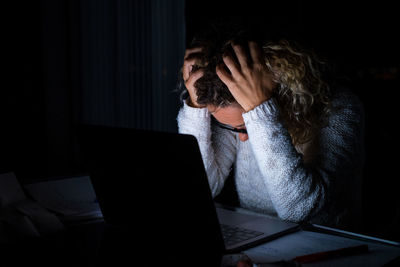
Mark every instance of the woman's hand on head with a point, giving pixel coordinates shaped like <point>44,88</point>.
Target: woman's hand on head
<point>249,81</point>
<point>192,58</point>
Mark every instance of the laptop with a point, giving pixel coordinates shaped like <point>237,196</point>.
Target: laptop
<point>154,194</point>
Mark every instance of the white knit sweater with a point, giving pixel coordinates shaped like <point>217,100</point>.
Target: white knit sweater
<point>319,181</point>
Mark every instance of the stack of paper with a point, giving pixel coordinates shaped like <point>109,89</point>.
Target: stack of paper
<point>72,199</point>
<point>20,216</point>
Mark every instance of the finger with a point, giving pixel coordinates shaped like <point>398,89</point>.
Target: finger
<point>194,76</point>
<point>192,50</point>
<point>255,52</point>
<point>230,63</point>
<point>188,66</point>
<point>241,55</point>
<point>224,75</point>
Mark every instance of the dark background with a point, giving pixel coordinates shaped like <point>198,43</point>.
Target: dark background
<point>116,63</point>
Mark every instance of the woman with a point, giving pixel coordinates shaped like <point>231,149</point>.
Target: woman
<point>294,143</point>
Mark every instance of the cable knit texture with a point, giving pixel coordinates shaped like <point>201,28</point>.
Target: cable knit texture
<point>319,181</point>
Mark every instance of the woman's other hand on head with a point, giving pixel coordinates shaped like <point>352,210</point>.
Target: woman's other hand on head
<point>191,74</point>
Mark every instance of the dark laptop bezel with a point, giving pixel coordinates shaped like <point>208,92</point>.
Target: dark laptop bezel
<point>96,141</point>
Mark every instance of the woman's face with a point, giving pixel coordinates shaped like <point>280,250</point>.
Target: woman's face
<point>232,116</point>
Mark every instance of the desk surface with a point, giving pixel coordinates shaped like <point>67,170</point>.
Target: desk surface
<point>79,245</point>
<point>307,242</point>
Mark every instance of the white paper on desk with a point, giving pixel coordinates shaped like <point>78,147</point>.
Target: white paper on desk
<point>305,242</point>
<point>22,215</point>
<point>10,190</point>
<point>73,198</point>
<point>45,221</point>
<point>22,224</point>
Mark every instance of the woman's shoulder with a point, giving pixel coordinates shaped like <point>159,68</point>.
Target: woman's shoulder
<point>343,99</point>
<point>346,113</point>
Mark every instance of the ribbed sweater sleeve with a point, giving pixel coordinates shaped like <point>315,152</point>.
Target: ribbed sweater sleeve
<point>299,190</point>
<point>218,149</point>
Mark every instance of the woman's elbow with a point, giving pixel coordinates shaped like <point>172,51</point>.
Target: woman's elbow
<point>304,209</point>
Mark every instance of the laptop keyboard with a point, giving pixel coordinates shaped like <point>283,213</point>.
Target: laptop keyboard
<point>234,234</point>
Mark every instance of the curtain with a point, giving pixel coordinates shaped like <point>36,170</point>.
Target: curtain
<point>131,52</point>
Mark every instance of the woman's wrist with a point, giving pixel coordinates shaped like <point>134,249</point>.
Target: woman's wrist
<point>191,103</point>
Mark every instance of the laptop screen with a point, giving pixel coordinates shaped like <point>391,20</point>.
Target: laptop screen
<point>153,187</point>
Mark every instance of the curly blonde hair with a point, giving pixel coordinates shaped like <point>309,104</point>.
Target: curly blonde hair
<point>302,95</point>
